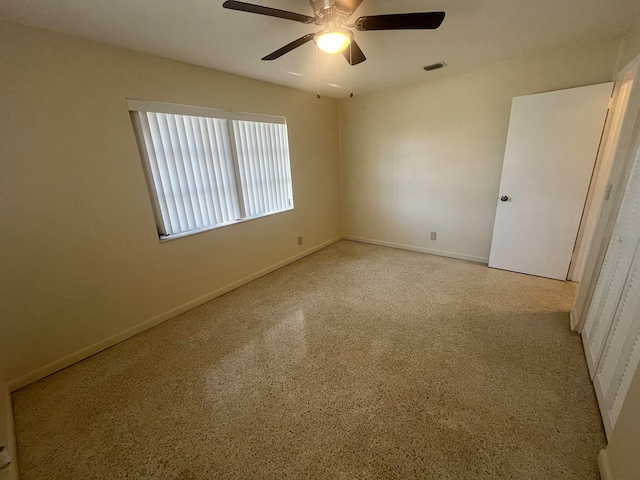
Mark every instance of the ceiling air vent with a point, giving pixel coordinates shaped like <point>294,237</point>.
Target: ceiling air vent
<point>435,66</point>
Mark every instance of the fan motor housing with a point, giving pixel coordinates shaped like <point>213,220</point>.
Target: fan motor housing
<point>326,8</point>
<point>322,7</point>
<point>319,5</point>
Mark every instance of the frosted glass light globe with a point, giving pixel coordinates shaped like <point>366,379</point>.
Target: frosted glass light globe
<point>333,42</point>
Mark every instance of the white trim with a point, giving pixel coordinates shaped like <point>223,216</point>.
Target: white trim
<point>175,236</point>
<point>413,248</point>
<point>604,466</point>
<point>79,355</point>
<point>176,109</point>
<point>573,322</point>
<point>595,252</point>
<point>9,436</point>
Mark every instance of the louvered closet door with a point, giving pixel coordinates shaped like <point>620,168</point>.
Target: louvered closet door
<point>611,335</point>
<point>605,300</point>
<point>622,351</point>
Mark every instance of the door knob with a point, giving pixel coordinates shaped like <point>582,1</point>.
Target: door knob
<point>504,198</point>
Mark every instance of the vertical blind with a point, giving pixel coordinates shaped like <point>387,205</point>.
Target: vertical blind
<point>263,160</point>
<point>207,168</point>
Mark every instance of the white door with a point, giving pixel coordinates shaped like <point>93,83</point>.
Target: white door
<point>551,148</point>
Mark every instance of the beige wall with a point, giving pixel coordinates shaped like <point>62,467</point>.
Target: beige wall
<point>629,47</point>
<point>81,261</point>
<point>429,157</point>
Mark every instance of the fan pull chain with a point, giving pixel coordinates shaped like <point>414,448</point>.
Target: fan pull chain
<point>350,69</point>
<point>318,73</point>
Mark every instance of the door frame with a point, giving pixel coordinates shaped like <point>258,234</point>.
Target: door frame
<point>618,104</point>
<point>619,175</point>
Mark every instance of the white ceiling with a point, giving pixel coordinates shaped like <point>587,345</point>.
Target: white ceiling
<point>475,34</point>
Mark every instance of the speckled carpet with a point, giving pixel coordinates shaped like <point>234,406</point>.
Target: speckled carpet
<point>356,362</point>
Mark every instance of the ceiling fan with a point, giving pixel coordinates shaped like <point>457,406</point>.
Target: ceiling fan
<point>332,16</point>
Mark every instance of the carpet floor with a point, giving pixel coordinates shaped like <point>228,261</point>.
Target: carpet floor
<point>357,362</point>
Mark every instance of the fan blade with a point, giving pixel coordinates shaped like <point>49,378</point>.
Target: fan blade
<point>348,6</point>
<point>287,48</point>
<point>401,21</point>
<point>271,12</point>
<point>354,49</point>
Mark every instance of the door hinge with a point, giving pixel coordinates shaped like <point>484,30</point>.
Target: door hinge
<point>608,193</point>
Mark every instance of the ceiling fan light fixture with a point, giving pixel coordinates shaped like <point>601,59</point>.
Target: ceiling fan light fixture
<point>333,41</point>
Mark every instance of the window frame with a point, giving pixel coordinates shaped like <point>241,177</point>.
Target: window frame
<point>135,106</point>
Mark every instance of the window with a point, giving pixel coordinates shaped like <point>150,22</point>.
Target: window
<point>208,168</point>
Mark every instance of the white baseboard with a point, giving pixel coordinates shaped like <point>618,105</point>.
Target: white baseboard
<point>68,360</point>
<point>8,435</point>
<point>572,322</point>
<point>413,248</point>
<point>603,465</point>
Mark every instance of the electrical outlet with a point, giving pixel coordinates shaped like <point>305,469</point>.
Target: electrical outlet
<point>299,240</point>
<point>434,235</point>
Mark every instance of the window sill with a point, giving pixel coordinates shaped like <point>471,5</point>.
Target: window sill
<point>176,236</point>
